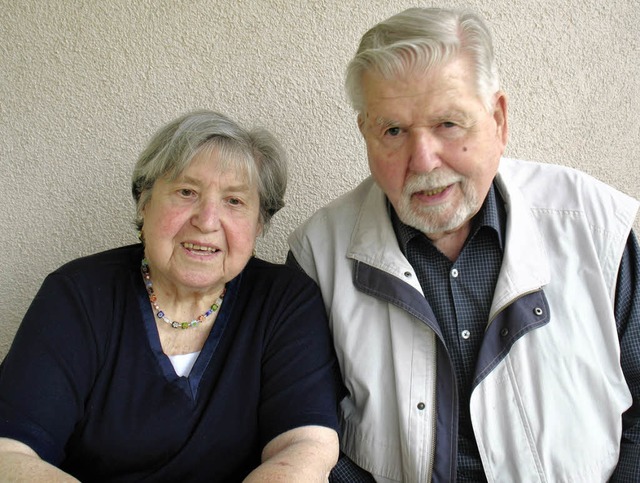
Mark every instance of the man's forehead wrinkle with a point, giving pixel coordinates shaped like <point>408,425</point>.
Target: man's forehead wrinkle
<point>382,121</point>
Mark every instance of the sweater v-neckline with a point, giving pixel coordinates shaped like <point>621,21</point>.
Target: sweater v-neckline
<point>188,384</point>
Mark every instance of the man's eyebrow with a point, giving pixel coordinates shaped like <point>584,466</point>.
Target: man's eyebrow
<point>455,115</point>
<point>384,122</point>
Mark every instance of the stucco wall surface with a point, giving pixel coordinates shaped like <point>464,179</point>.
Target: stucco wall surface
<point>83,84</point>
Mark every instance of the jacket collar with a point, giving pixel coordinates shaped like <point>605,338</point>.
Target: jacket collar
<point>373,240</point>
<point>525,266</point>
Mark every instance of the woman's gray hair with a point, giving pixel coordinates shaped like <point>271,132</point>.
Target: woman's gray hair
<point>256,153</point>
<point>418,39</point>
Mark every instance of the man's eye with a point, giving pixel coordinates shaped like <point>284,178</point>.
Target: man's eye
<point>186,192</point>
<point>393,131</point>
<point>448,124</point>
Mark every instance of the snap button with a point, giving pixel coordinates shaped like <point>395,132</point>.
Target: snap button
<point>504,332</point>
<point>407,274</point>
<point>465,334</point>
<point>454,273</point>
<point>537,311</point>
<point>421,406</point>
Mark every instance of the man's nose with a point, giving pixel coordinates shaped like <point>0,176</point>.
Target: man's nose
<point>425,152</point>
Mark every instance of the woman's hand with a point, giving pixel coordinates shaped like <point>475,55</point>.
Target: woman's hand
<point>18,462</point>
<point>306,455</point>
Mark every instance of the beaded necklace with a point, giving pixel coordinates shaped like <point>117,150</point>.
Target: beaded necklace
<point>146,276</point>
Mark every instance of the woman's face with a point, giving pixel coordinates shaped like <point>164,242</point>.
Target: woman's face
<point>200,229</point>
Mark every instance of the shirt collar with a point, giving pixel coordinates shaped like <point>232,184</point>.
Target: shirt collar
<point>492,215</point>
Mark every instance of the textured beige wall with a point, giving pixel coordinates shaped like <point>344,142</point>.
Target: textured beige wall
<point>84,83</point>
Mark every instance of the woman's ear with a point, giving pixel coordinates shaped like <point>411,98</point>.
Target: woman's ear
<point>360,121</point>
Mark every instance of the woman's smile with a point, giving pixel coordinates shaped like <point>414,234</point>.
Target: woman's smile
<point>199,249</point>
<point>200,227</point>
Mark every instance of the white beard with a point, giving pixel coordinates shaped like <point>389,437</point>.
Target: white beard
<point>440,218</point>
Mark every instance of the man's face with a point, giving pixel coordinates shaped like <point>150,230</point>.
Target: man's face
<point>433,147</point>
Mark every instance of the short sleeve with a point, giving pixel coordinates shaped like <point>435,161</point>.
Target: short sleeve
<point>301,381</point>
<point>48,372</point>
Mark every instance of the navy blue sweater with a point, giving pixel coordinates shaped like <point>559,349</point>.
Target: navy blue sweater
<point>87,386</point>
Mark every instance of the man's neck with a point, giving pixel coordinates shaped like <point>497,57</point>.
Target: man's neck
<point>451,243</point>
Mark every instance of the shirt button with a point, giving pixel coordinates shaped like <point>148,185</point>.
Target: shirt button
<point>421,406</point>
<point>465,334</point>
<point>454,273</point>
<point>504,332</point>
<point>407,274</point>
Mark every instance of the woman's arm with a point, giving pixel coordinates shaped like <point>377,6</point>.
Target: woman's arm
<point>18,462</point>
<point>304,455</point>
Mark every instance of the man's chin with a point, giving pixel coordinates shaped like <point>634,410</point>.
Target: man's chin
<point>436,226</point>
<point>439,219</point>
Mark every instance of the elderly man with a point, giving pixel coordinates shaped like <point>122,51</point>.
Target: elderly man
<point>485,311</point>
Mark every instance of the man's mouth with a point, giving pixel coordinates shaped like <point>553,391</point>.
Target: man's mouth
<point>435,191</point>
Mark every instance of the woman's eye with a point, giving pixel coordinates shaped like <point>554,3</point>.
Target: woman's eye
<point>234,201</point>
<point>392,131</point>
<point>186,192</point>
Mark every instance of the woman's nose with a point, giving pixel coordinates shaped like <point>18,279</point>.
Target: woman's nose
<point>207,216</point>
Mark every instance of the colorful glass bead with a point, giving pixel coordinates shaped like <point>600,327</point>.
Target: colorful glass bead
<point>146,276</point>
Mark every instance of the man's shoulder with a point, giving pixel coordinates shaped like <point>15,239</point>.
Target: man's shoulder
<point>557,186</point>
<point>526,172</point>
<point>328,232</point>
<point>341,212</point>
<point>555,192</point>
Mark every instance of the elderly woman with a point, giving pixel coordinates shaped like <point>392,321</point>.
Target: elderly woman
<point>182,358</point>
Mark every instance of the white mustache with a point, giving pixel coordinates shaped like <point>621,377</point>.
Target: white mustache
<point>430,182</point>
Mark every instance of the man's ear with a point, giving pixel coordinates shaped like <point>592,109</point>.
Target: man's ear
<point>501,117</point>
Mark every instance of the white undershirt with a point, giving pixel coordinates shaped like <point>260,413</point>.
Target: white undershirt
<point>183,363</point>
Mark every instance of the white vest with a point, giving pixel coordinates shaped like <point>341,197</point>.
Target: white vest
<point>548,407</point>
